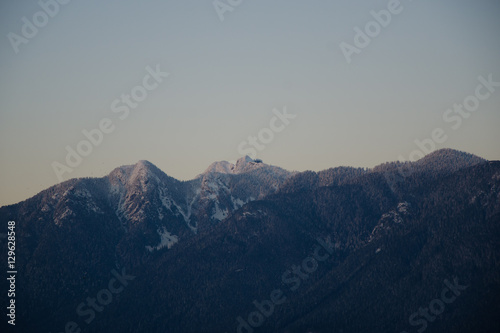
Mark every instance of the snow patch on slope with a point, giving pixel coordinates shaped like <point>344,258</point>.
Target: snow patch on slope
<point>165,200</point>
<point>66,214</point>
<point>219,214</point>
<point>397,215</point>
<point>187,215</point>
<point>238,203</point>
<point>166,240</point>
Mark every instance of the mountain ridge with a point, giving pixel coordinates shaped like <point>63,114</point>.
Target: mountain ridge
<point>246,164</point>
<point>203,250</point>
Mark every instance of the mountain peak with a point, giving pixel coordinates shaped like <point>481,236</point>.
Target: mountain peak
<point>144,163</point>
<point>242,165</point>
<point>448,153</point>
<point>219,167</point>
<point>131,174</point>
<point>243,161</point>
<point>142,169</point>
<point>449,159</point>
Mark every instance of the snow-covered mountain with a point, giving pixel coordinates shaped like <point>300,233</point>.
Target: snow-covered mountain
<point>158,211</point>
<point>242,165</point>
<point>154,210</point>
<point>202,253</point>
<point>142,193</point>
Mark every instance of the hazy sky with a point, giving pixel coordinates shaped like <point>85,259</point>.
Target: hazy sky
<point>226,78</point>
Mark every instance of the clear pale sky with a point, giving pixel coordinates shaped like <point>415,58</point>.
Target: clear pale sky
<point>227,77</point>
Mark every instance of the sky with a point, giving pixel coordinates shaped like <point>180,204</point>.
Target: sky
<point>316,84</point>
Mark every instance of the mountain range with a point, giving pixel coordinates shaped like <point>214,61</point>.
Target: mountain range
<point>251,247</point>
